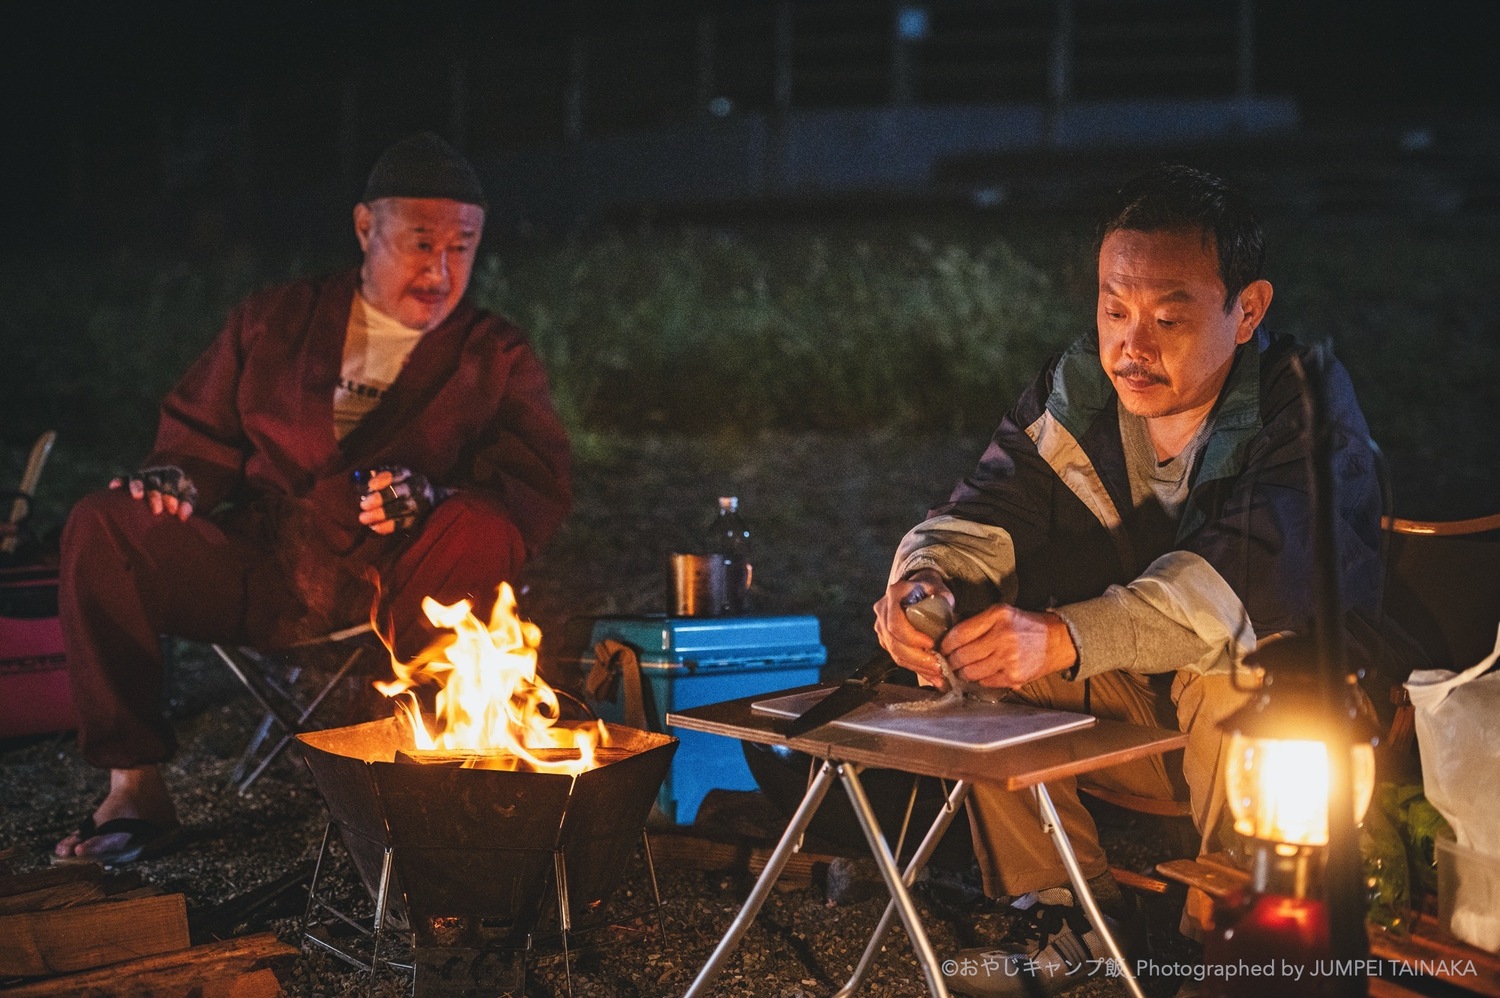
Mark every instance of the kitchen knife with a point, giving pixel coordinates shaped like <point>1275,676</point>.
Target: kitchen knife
<point>858,689</point>
<point>929,614</point>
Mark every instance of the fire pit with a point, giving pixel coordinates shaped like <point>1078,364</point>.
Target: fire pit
<point>461,847</point>
<point>467,858</point>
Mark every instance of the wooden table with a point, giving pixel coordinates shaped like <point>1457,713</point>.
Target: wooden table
<point>845,752</point>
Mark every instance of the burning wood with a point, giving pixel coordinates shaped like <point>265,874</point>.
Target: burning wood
<point>492,710</point>
<point>508,762</point>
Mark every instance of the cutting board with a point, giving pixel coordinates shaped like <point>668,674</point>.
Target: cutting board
<point>971,724</point>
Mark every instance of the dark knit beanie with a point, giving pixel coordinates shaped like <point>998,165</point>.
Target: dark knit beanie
<point>424,166</point>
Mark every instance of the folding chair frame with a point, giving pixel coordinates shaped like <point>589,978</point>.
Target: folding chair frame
<point>284,708</point>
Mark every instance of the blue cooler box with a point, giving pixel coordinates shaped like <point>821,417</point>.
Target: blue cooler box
<point>692,661</point>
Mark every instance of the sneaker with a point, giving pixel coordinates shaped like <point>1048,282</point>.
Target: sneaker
<point>958,890</point>
<point>964,890</point>
<point>1050,949</point>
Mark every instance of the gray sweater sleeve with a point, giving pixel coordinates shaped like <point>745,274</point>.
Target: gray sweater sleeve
<point>1178,614</point>
<point>977,560</point>
<point>1120,630</point>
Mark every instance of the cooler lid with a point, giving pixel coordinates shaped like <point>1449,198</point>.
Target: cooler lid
<point>709,637</point>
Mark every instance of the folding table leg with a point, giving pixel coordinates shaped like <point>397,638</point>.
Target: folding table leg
<point>762,889</point>
<point>940,824</point>
<point>1053,826</point>
<point>899,896</point>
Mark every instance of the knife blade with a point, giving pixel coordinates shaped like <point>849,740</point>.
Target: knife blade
<point>858,689</point>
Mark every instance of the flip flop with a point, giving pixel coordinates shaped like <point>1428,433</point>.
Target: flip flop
<point>147,839</point>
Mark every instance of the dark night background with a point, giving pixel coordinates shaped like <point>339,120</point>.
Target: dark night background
<point>163,159</point>
<point>128,121</point>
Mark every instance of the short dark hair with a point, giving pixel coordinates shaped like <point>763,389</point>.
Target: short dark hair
<point>1174,196</point>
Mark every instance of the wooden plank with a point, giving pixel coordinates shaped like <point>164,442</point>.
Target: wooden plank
<point>1222,861</point>
<point>1428,927</point>
<point>1430,950</point>
<point>232,968</point>
<point>1211,879</point>
<point>51,898</point>
<point>254,984</point>
<point>799,872</point>
<point>52,876</point>
<point>695,853</point>
<point>692,853</point>
<point>86,889</point>
<point>1138,881</point>
<point>37,944</point>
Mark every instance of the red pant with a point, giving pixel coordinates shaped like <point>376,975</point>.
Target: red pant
<point>129,577</point>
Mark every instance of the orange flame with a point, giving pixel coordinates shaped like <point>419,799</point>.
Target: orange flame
<point>490,700</point>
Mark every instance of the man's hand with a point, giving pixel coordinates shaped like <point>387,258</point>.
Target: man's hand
<point>166,490</point>
<point>909,647</point>
<point>1006,648</point>
<point>396,498</point>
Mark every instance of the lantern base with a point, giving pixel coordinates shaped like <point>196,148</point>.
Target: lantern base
<point>1271,943</point>
<point>1283,869</point>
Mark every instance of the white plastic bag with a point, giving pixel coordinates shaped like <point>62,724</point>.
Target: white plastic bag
<point>1458,733</point>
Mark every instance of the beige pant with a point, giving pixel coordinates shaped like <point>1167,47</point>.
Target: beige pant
<point>1016,856</point>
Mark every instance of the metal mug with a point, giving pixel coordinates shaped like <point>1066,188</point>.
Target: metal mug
<point>697,585</point>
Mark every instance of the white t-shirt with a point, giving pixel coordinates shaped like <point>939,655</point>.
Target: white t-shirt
<point>375,349</point>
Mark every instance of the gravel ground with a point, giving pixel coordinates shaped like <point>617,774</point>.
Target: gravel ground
<point>825,513</point>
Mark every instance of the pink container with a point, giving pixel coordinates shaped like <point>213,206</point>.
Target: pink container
<point>34,693</point>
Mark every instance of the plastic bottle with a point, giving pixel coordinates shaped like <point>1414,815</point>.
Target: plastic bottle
<point>729,536</point>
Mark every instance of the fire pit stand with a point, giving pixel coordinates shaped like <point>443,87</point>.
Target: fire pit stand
<point>462,862</point>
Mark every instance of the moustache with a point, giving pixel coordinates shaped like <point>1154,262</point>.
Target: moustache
<point>1138,370</point>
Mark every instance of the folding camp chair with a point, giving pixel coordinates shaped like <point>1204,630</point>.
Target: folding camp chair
<point>296,688</point>
<point>1443,590</point>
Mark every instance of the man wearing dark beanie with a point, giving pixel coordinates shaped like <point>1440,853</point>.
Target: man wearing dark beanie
<point>243,525</point>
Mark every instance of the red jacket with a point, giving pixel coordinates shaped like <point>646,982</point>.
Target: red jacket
<point>252,421</point>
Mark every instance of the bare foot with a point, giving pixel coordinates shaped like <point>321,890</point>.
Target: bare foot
<point>133,793</point>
